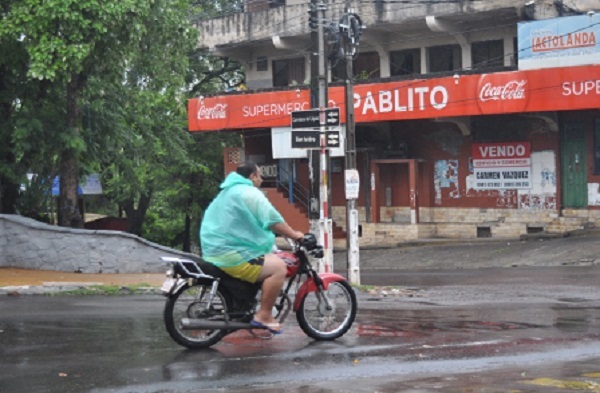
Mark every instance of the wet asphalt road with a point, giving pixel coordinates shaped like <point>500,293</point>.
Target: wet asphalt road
<point>483,330</point>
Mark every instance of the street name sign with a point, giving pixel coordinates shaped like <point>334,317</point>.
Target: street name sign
<point>306,139</point>
<point>333,138</point>
<point>332,117</point>
<point>316,118</point>
<point>312,139</point>
<point>306,119</point>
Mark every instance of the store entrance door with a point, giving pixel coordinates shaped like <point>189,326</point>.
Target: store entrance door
<point>379,192</point>
<point>574,167</point>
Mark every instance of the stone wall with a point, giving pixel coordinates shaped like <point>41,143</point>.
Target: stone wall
<point>463,223</point>
<point>29,244</point>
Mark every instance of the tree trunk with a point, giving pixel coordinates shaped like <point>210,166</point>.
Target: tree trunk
<point>136,217</point>
<point>9,193</point>
<point>68,209</point>
<point>186,233</point>
<point>9,190</point>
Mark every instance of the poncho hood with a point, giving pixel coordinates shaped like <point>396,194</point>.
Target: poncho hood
<point>234,179</point>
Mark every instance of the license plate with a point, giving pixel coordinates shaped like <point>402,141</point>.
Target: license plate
<point>167,285</point>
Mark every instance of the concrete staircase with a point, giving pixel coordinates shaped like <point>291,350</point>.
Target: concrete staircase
<point>295,214</point>
<point>570,220</point>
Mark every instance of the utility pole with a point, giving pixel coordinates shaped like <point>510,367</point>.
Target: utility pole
<point>313,155</point>
<point>325,224</point>
<point>350,27</point>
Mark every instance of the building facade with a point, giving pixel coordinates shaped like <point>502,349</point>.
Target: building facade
<point>472,118</point>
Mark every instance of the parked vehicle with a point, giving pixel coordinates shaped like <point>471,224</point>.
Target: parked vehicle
<point>204,304</point>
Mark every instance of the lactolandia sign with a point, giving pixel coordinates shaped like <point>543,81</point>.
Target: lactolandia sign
<point>556,89</point>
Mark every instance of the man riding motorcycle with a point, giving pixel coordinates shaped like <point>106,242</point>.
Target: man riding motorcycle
<point>238,235</point>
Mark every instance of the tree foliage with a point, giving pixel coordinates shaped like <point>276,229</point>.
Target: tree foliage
<point>101,86</point>
<point>67,41</point>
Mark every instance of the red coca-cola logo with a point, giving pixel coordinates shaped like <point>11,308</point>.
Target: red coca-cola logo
<point>502,93</point>
<point>218,111</point>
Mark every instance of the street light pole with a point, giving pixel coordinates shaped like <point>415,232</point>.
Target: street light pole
<point>325,223</point>
<point>350,27</point>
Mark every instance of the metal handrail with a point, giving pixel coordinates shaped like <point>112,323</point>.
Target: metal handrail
<point>297,193</point>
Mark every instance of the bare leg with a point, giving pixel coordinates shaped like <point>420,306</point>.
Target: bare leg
<point>272,276</point>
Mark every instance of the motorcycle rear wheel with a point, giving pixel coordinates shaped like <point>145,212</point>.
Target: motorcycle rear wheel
<point>324,324</point>
<point>192,302</point>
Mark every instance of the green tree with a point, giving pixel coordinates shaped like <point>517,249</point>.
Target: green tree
<point>193,186</point>
<point>13,60</point>
<point>145,113</point>
<point>28,109</point>
<point>67,41</point>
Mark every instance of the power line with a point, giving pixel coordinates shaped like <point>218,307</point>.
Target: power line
<point>448,73</point>
<point>403,6</point>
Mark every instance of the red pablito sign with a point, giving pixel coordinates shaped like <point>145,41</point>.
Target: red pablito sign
<point>552,89</point>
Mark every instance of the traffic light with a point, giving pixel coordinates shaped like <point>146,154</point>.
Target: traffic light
<point>313,19</point>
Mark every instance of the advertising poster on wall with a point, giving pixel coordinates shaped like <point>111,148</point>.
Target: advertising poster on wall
<point>498,166</point>
<point>559,42</point>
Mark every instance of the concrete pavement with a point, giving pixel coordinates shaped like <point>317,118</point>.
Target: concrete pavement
<point>579,249</point>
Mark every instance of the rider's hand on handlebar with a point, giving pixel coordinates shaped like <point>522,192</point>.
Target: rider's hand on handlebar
<point>298,236</point>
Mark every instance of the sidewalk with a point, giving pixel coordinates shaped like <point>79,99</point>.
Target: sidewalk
<point>24,277</point>
<point>579,249</point>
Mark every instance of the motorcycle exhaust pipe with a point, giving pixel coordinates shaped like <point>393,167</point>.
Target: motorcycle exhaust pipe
<point>203,324</point>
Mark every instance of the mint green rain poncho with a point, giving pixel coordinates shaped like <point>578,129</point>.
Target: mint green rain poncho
<point>236,224</point>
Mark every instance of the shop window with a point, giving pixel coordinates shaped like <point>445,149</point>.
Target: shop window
<point>597,147</point>
<point>444,58</point>
<point>487,54</point>
<point>288,72</point>
<point>405,62</point>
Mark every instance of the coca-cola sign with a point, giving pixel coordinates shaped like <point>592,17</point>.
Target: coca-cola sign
<point>217,111</point>
<point>504,92</point>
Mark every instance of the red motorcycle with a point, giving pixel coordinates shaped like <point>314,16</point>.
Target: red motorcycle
<point>204,304</point>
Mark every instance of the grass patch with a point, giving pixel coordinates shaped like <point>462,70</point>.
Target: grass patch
<point>364,288</point>
<point>107,290</point>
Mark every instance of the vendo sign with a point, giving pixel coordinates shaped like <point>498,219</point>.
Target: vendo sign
<point>508,150</point>
<point>502,92</point>
<point>499,166</point>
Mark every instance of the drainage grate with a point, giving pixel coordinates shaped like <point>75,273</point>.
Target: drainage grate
<point>484,232</point>
<point>532,230</point>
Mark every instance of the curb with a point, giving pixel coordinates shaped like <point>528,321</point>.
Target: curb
<point>58,288</point>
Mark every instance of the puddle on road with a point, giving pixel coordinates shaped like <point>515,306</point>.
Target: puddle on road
<point>561,384</point>
<point>422,323</point>
<point>573,300</point>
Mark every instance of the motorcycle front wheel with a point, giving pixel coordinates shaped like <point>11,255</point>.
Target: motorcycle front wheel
<point>192,302</point>
<point>323,321</point>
